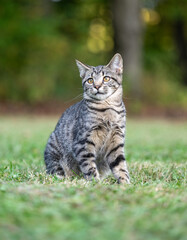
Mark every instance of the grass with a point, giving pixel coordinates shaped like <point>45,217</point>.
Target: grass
<point>36,206</point>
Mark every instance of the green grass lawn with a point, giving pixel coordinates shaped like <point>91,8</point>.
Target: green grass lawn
<point>35,206</point>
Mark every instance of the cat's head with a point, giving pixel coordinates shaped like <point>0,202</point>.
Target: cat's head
<point>102,81</point>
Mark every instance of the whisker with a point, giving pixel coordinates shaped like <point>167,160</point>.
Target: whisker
<point>129,98</point>
<point>77,97</point>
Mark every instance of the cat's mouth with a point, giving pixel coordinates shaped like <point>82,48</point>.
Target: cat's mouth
<point>98,92</point>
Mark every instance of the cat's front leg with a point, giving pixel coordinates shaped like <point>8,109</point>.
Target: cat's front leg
<point>116,160</point>
<point>119,169</point>
<point>85,154</point>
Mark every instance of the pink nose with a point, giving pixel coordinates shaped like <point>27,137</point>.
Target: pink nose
<point>97,86</point>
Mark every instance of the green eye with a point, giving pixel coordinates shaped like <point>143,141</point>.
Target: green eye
<point>90,80</point>
<point>106,79</point>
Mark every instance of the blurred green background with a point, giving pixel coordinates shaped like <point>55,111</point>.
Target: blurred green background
<point>40,40</point>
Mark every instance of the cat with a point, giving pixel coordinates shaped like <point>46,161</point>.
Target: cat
<point>89,138</point>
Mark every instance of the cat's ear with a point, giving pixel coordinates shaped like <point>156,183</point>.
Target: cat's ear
<point>83,68</point>
<point>116,64</point>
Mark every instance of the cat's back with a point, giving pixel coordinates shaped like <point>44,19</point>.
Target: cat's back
<point>70,115</point>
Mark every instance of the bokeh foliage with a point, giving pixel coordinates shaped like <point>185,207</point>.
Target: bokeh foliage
<point>165,80</point>
<point>40,40</point>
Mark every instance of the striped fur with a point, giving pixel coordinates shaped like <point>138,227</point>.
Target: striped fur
<point>90,136</point>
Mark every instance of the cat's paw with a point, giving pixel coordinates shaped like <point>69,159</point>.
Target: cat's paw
<point>92,177</point>
<point>122,180</point>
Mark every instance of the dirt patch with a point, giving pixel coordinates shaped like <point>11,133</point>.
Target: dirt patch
<point>58,107</point>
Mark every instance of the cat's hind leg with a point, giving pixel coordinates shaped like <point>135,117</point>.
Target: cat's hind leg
<point>53,156</point>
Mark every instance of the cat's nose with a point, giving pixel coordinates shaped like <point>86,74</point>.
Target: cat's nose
<point>97,86</point>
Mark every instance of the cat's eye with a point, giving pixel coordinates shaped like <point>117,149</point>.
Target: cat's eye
<point>90,80</point>
<point>106,79</point>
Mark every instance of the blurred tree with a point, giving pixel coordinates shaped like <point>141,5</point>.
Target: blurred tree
<point>128,40</point>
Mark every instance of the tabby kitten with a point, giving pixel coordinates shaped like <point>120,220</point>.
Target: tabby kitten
<point>89,137</point>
